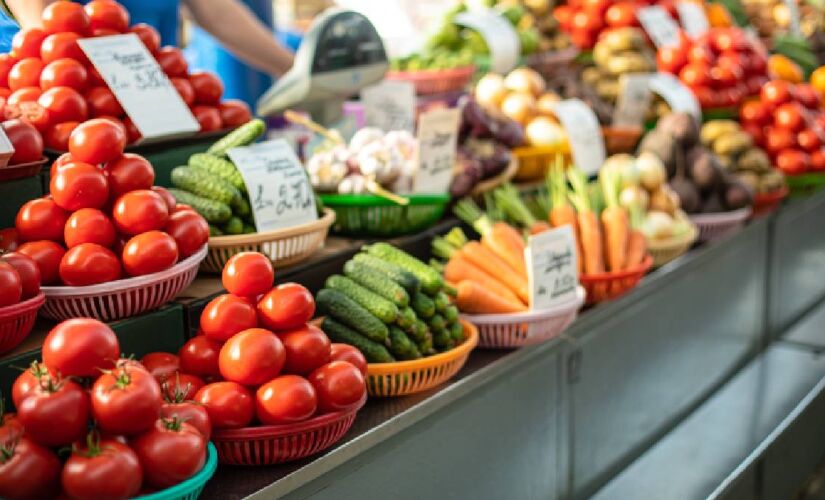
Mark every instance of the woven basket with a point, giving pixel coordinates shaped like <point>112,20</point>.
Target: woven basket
<point>496,181</point>
<point>668,249</point>
<point>17,321</point>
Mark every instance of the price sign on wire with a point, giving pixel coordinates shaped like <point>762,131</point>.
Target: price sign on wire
<point>551,267</point>
<point>279,190</point>
<point>500,36</point>
<point>658,24</point>
<point>140,85</point>
<point>390,105</point>
<point>633,100</point>
<point>693,18</point>
<point>676,94</point>
<point>437,140</point>
<point>583,133</point>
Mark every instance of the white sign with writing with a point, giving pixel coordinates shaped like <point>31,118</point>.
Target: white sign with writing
<point>500,36</point>
<point>693,18</point>
<point>551,267</point>
<point>793,13</point>
<point>437,140</point>
<point>140,85</point>
<point>633,100</point>
<point>658,24</point>
<point>279,190</point>
<point>676,94</point>
<point>583,133</point>
<point>390,105</point>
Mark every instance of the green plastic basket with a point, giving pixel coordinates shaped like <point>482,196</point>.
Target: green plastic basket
<point>192,487</point>
<point>804,185</point>
<point>366,215</point>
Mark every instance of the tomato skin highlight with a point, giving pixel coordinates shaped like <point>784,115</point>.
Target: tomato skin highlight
<point>339,386</point>
<point>26,43</point>
<point>140,211</point>
<point>80,347</point>
<point>286,399</point>
<point>79,185</point>
<point>149,252</point>
<point>27,142</point>
<point>169,456</point>
<point>107,14</point>
<point>226,315</point>
<point>126,401</point>
<point>252,357</point>
<point>190,231</point>
<point>286,307</point>
<point>41,219</point>
<point>89,264</point>
<point>248,274</point>
<point>350,354</point>
<point>89,225</point>
<point>307,348</point>
<point>97,141</point>
<point>111,470</point>
<point>32,472</point>
<point>28,271</point>
<point>161,365</point>
<point>230,405</point>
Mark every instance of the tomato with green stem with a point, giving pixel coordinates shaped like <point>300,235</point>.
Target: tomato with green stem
<point>27,381</point>
<point>80,347</point>
<point>28,470</point>
<point>55,412</point>
<point>101,468</point>
<point>183,385</point>
<point>161,365</point>
<point>126,401</point>
<point>170,452</point>
<point>178,405</point>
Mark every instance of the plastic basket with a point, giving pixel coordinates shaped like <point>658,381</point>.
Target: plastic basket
<point>435,81</point>
<point>621,139</point>
<point>11,172</point>
<point>804,185</point>
<point>668,249</point>
<point>495,181</point>
<point>764,203</point>
<point>408,377</point>
<point>718,225</point>
<point>366,215</point>
<point>17,320</point>
<point>533,162</point>
<point>284,247</point>
<point>503,331</point>
<point>192,487</point>
<point>607,286</point>
<point>274,444</point>
<point>122,298</point>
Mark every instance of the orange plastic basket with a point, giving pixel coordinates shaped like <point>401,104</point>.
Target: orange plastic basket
<point>621,139</point>
<point>534,161</point>
<point>435,81</point>
<point>607,286</point>
<point>408,377</point>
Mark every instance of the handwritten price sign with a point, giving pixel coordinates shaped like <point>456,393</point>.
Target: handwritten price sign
<point>676,94</point>
<point>390,105</point>
<point>437,138</point>
<point>583,132</point>
<point>551,267</point>
<point>633,100</point>
<point>658,24</point>
<point>693,18</point>
<point>500,36</point>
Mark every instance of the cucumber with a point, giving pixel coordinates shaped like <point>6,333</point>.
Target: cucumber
<point>431,280</point>
<point>215,231</point>
<point>442,301</point>
<point>375,281</point>
<point>347,311</point>
<point>233,226</point>
<point>401,346</point>
<point>423,306</point>
<point>211,210</point>
<point>442,340</point>
<point>456,332</point>
<point>378,306</point>
<point>241,207</point>
<point>418,331</point>
<point>204,184</point>
<point>406,318</point>
<point>425,347</point>
<point>241,136</point>
<point>450,314</point>
<point>373,351</point>
<point>219,167</point>
<point>437,322</point>
<point>395,273</point>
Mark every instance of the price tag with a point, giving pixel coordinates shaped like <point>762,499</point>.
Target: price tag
<point>676,94</point>
<point>793,13</point>
<point>633,100</point>
<point>437,140</point>
<point>658,24</point>
<point>279,190</point>
<point>583,133</point>
<point>693,18</point>
<point>390,105</point>
<point>551,267</point>
<point>498,33</point>
<point>140,86</point>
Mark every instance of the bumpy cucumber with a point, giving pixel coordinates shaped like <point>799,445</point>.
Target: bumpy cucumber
<point>213,211</point>
<point>373,351</point>
<point>241,136</point>
<point>220,167</point>
<point>342,308</point>
<point>377,282</point>
<point>380,307</point>
<point>431,280</point>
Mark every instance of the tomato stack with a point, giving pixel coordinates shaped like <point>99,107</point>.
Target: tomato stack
<point>48,80</point>
<point>721,67</point>
<point>788,123</point>
<point>139,443</point>
<point>585,20</point>
<point>103,219</point>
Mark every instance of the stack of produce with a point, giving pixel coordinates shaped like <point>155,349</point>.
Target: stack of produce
<point>213,187</point>
<point>574,83</point>
<point>134,429</point>
<point>391,306</point>
<point>103,219</point>
<point>538,15</point>
<point>617,52</point>
<point>19,278</point>
<point>433,59</point>
<point>586,21</point>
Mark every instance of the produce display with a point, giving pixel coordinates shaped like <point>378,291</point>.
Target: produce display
<point>617,52</point>
<point>586,21</point>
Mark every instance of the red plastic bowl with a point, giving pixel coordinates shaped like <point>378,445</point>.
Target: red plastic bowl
<point>16,321</point>
<point>607,286</point>
<point>768,202</point>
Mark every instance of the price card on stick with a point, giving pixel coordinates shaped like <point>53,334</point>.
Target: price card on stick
<point>676,94</point>
<point>140,85</point>
<point>693,18</point>
<point>279,190</point>
<point>633,100</point>
<point>551,267</point>
<point>658,24</point>
<point>437,140</point>
<point>390,105</point>
<point>583,133</point>
<point>498,33</point>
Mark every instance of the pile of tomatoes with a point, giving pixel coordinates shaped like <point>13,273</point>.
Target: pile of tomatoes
<point>788,123</point>
<point>48,80</point>
<point>103,219</point>
<point>142,438</point>
<point>585,20</point>
<point>721,67</point>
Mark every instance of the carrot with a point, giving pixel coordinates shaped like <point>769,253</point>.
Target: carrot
<point>615,221</point>
<point>495,266</point>
<point>507,198</point>
<point>460,268</point>
<point>499,237</point>
<point>474,298</point>
<point>562,212</point>
<point>636,249</point>
<point>589,227</point>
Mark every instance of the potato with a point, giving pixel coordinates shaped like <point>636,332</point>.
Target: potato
<point>732,144</point>
<point>715,129</point>
<point>621,39</point>
<point>771,181</point>
<point>608,89</point>
<point>602,53</point>
<point>754,159</point>
<point>726,162</point>
<point>591,75</point>
<point>627,63</point>
<point>749,179</point>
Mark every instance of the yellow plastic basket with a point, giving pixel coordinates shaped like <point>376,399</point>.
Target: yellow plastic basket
<point>533,161</point>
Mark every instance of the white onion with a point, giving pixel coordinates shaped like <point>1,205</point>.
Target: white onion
<point>652,173</point>
<point>542,131</point>
<point>519,107</point>
<point>525,80</point>
<point>490,91</point>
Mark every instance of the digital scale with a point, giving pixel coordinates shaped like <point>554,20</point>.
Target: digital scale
<point>340,54</point>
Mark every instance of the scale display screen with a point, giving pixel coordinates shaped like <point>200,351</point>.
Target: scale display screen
<point>347,41</point>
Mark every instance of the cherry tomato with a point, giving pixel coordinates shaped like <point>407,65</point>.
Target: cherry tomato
<point>11,287</point>
<point>793,162</point>
<point>30,471</point>
<point>207,86</point>
<point>583,39</point>
<point>89,264</point>
<point>102,101</point>
<point>252,357</point>
<point>728,40</point>
<point>89,225</point>
<point>775,93</point>
<point>64,104</point>
<point>129,172</point>
<point>757,132</point>
<point>41,219</point>
<point>695,75</point>
<point>7,61</point>
<point>57,137</point>
<point>234,113</point>
<point>789,116</point>
<point>307,348</point>
<point>65,16</point>
<point>172,62</point>
<point>248,274</point>
<point>286,307</point>
<point>79,185</point>
<point>807,96</point>
<point>208,117</point>
<point>184,88</point>
<point>32,113</point>
<point>621,14</point>
<point>778,139</point>
<point>183,386</point>
<point>230,405</point>
<point>149,252</point>
<point>148,35</point>
<point>809,140</point>
<point>27,381</point>
<point>587,21</point>
<point>60,45</point>
<point>117,121</point>
<point>97,141</point>
<point>107,14</point>
<point>818,161</point>
<point>170,452</point>
<point>140,211</point>
<point>670,59</point>
<point>25,94</point>
<point>80,347</point>
<point>199,356</point>
<point>27,270</point>
<point>91,468</point>
<point>350,354</point>
<point>131,130</point>
<point>564,15</point>
<point>167,197</point>
<point>28,145</point>
<point>9,239</point>
<point>126,401</point>
<point>63,73</point>
<point>339,385</point>
<point>48,255</point>
<point>26,43</point>
<point>754,112</point>
<point>286,399</point>
<point>190,412</point>
<point>55,413</point>
<point>11,430</point>
<point>725,76</point>
<point>25,73</point>
<point>701,54</point>
<point>190,231</point>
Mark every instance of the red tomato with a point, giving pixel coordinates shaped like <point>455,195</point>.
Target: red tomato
<point>229,405</point>
<point>55,413</point>
<point>207,86</point>
<point>199,356</point>
<point>48,255</point>
<point>583,39</point>
<point>107,14</point>
<point>131,130</point>
<point>208,117</point>
<point>61,160</point>
<point>307,348</point>
<point>140,211</point>
<point>234,113</point>
<point>167,197</point>
<point>60,45</point>
<point>89,225</point>
<point>79,185</point>
<point>63,73</point>
<point>27,270</point>
<point>65,16</point>
<point>57,137</point>
<point>102,101</point>
<point>28,145</point>
<point>80,347</point>
<point>103,32</point>
<point>818,161</point>
<point>286,399</point>
<point>95,80</point>
<point>184,88</point>
<point>190,412</point>
<point>777,139</point>
<point>757,132</point>
<point>148,35</point>
<point>695,75</point>
<point>171,60</point>
<point>31,113</point>
<point>621,14</point>
<point>226,315</point>
<point>127,173</point>
<point>725,76</point>
<point>27,381</point>
<point>754,112</point>
<point>182,387</point>
<point>809,140</point>
<point>701,54</point>
<point>789,116</point>
<point>728,39</point>
<point>161,365</point>
<point>286,307</point>
<point>149,252</point>
<point>26,43</point>
<point>807,96</point>
<point>64,104</point>
<point>26,94</point>
<point>30,471</point>
<point>564,15</point>
<point>7,61</point>
<point>339,386</point>
<point>89,264</point>
<point>248,274</point>
<point>252,357</point>
<point>587,21</point>
<point>775,93</point>
<point>9,239</point>
<point>97,141</point>
<point>350,354</point>
<point>126,401</point>
<point>11,286</point>
<point>25,73</point>
<point>190,231</point>
<point>11,430</point>
<point>670,59</point>
<point>40,219</point>
<point>170,452</point>
<point>793,162</point>
<point>117,122</point>
<point>89,471</point>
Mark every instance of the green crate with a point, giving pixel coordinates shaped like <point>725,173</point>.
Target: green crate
<point>804,185</point>
<point>192,487</point>
<point>373,216</point>
<point>15,193</point>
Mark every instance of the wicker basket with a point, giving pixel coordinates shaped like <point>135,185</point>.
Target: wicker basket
<point>17,320</point>
<point>366,215</point>
<point>191,488</point>
<point>495,181</point>
<point>668,249</point>
<point>435,81</point>
<point>607,286</point>
<point>284,247</point>
<point>533,162</point>
<point>721,224</point>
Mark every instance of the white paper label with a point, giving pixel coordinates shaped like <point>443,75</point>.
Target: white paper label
<point>793,13</point>
<point>658,24</point>
<point>583,133</point>
<point>501,37</point>
<point>437,140</point>
<point>676,94</point>
<point>693,18</point>
<point>390,105</point>
<point>551,267</point>
<point>279,190</point>
<point>633,100</point>
<point>140,85</point>
<point>6,148</point>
